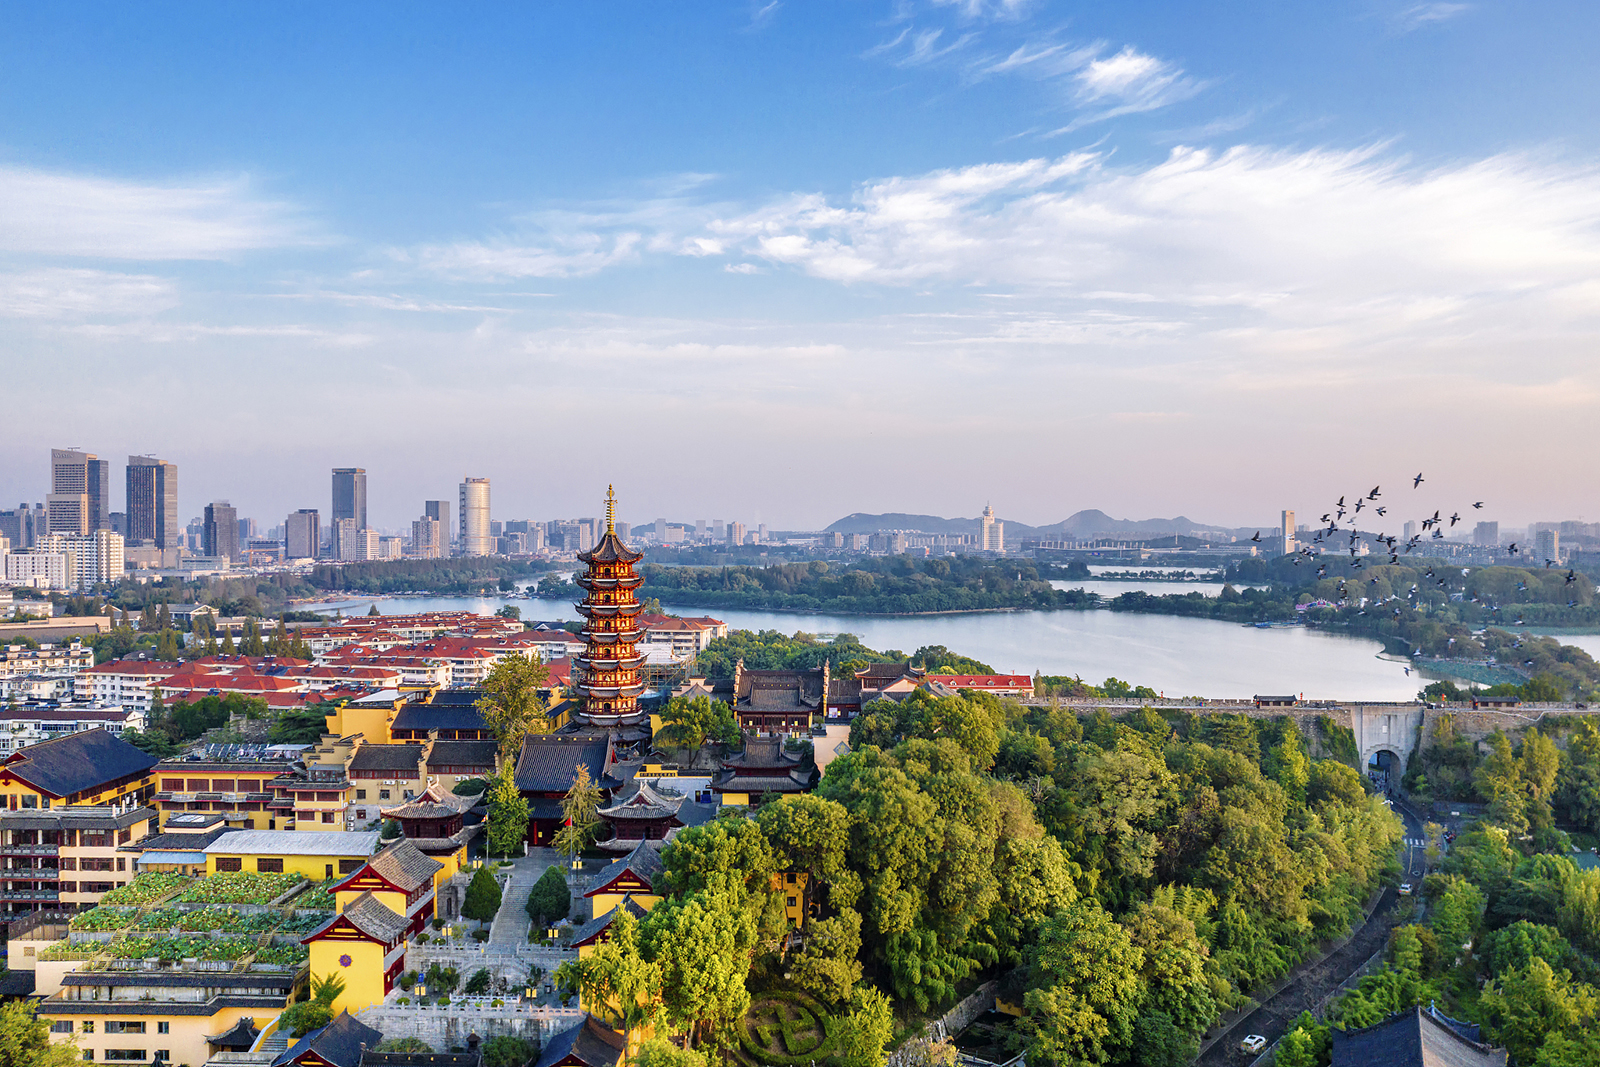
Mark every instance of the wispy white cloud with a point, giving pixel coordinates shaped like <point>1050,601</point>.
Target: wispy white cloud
<point>1342,243</point>
<point>58,293</point>
<point>1002,10</point>
<point>762,14</point>
<point>57,214</point>
<point>912,47</point>
<point>1419,15</point>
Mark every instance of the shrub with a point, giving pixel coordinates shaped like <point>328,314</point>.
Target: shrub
<point>480,935</point>
<point>444,1001</point>
<point>443,979</point>
<point>479,982</point>
<point>507,1052</point>
<point>549,899</point>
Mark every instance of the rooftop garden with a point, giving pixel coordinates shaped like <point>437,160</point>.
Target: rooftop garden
<point>102,920</point>
<point>318,898</point>
<point>283,954</point>
<point>239,888</point>
<point>180,948</point>
<point>147,888</point>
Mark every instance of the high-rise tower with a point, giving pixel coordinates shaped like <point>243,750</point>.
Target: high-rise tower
<point>609,667</point>
<point>350,495</point>
<point>80,492</point>
<point>476,540</point>
<point>153,502</point>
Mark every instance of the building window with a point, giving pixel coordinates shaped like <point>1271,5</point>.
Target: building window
<point>791,902</point>
<point>164,1055</point>
<point>230,863</point>
<point>88,1026</point>
<point>118,1026</point>
<point>791,878</point>
<point>68,864</point>
<point>61,1026</point>
<point>122,863</point>
<point>162,1028</point>
<point>361,794</point>
<point>361,814</point>
<point>327,816</point>
<point>124,1054</point>
<point>88,1053</point>
<point>383,794</point>
<point>350,866</point>
<point>124,836</point>
<point>69,887</point>
<point>269,866</point>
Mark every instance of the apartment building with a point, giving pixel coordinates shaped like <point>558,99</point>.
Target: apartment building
<point>20,660</point>
<point>65,858</point>
<point>239,791</point>
<point>383,775</point>
<point>30,724</point>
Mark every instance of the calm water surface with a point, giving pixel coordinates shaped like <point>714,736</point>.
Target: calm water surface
<point>1175,656</point>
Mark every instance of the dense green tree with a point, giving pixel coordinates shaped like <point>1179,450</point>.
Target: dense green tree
<point>550,900</point>
<point>25,1039</point>
<point>483,897</point>
<point>580,807</point>
<point>866,1030</point>
<point>658,1052</point>
<point>512,707</point>
<point>508,814</point>
<point>690,723</point>
<point>1533,1003</point>
<point>1085,989</point>
<point>507,1051</point>
<point>702,944</point>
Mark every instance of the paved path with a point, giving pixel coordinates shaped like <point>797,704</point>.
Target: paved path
<point>511,922</point>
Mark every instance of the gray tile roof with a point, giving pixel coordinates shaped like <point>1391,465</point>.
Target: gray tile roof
<point>643,861</point>
<point>402,757</point>
<point>590,1042</point>
<point>339,1042</point>
<point>369,915</point>
<point>296,843</point>
<point>78,762</point>
<point>588,930</point>
<point>462,754</point>
<point>548,763</point>
<point>402,864</point>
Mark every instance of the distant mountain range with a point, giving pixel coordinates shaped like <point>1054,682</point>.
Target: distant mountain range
<point>1079,525</point>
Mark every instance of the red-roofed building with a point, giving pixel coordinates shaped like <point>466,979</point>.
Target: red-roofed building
<point>1011,685</point>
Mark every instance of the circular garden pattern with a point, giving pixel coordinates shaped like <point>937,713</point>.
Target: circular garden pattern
<point>786,1029</point>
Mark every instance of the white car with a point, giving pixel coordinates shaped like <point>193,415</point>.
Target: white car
<point>1253,1044</point>
<point>1405,889</point>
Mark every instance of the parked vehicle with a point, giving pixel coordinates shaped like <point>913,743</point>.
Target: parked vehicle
<point>1405,889</point>
<point>1253,1044</point>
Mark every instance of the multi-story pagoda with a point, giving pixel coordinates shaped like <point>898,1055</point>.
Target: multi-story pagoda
<point>606,676</point>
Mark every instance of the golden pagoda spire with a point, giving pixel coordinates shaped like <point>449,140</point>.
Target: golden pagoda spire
<point>611,510</point>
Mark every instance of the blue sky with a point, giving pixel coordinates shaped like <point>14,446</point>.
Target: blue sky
<point>779,262</point>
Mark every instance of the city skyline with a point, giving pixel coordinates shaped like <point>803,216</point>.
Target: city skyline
<point>1152,241</point>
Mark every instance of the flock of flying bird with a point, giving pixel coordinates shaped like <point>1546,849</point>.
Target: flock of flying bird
<point>1343,513</point>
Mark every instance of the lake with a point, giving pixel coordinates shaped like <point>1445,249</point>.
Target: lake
<point>1174,656</point>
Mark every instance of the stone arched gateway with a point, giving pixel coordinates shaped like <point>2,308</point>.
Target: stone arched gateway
<point>1386,728</point>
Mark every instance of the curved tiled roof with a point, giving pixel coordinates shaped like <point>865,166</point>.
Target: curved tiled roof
<point>401,865</point>
<point>78,762</point>
<point>591,1043</point>
<point>369,915</point>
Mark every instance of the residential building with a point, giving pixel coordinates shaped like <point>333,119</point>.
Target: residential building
<point>152,488</point>
<point>81,483</point>
<point>148,1013</point>
<point>22,725</point>
<point>736,533</point>
<point>476,540</point>
<point>1287,545</point>
<point>762,537</point>
<point>92,558</point>
<point>1486,534</point>
<point>18,661</point>
<point>684,637</point>
<point>699,530</point>
<point>65,858</point>
<point>350,495</point>
<point>992,535</point>
<point>238,790</point>
<point>39,570</point>
<point>718,530</point>
<point>1546,546</point>
<point>439,511</point>
<point>427,539</point>
<point>303,534</point>
<point>221,531</point>
<point>388,547</point>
